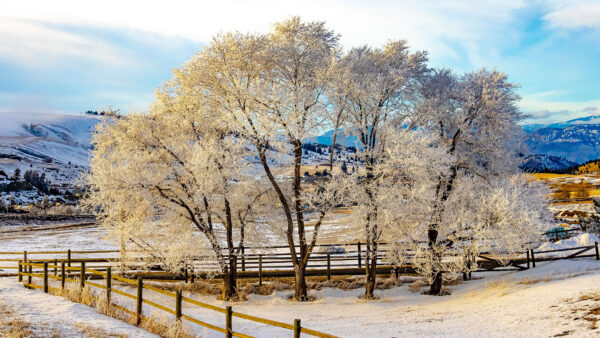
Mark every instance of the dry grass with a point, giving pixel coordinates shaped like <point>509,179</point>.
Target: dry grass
<point>95,332</point>
<point>165,328</point>
<point>12,325</point>
<point>545,176</point>
<point>154,324</point>
<point>417,285</point>
<point>532,281</point>
<point>587,307</point>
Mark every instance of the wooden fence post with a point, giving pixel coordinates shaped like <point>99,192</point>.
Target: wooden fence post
<point>178,304</point>
<point>228,324</point>
<point>259,270</point>
<point>25,255</point>
<point>597,253</point>
<point>192,275</point>
<point>139,300</point>
<point>556,235</point>
<point>55,267</point>
<point>62,275</point>
<point>69,257</point>
<point>359,256</point>
<point>243,259</point>
<point>108,284</point>
<point>20,272</point>
<point>532,258</point>
<point>45,277</point>
<point>186,273</point>
<point>297,328</point>
<point>527,259</point>
<point>329,266</point>
<point>82,276</point>
<point>30,272</point>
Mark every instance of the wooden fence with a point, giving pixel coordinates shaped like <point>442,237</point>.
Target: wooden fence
<point>43,270</point>
<point>65,268</point>
<point>332,261</point>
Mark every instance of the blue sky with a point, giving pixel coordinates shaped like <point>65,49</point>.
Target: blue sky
<point>72,56</point>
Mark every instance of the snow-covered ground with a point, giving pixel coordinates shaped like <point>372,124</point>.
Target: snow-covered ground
<point>554,298</point>
<point>49,315</point>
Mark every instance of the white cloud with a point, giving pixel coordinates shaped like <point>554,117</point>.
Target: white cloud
<point>433,25</point>
<point>544,108</point>
<point>36,44</point>
<point>574,14</point>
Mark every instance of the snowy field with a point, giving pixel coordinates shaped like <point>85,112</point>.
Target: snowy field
<point>539,302</point>
<point>554,298</point>
<point>52,316</point>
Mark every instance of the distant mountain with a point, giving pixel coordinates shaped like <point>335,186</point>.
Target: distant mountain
<point>575,142</point>
<point>58,145</point>
<point>541,163</point>
<point>327,137</point>
<point>47,137</point>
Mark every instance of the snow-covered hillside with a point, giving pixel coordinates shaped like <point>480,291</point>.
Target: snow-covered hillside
<point>56,144</point>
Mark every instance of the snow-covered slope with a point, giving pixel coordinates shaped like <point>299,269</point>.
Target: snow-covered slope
<point>58,145</point>
<point>540,162</point>
<point>575,140</point>
<point>45,137</point>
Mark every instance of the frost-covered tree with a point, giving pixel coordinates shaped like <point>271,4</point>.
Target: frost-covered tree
<point>379,89</point>
<point>273,88</point>
<point>171,186</point>
<point>475,119</point>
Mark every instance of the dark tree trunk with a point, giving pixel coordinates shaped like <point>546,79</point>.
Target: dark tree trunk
<point>230,291</point>
<point>230,271</point>
<point>371,237</point>
<point>371,269</point>
<point>301,293</point>
<point>436,287</point>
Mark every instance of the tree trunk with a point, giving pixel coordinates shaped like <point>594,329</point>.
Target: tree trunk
<point>371,269</point>
<point>436,287</point>
<point>301,293</point>
<point>230,291</point>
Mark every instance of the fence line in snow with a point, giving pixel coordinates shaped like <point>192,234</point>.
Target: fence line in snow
<point>42,270</point>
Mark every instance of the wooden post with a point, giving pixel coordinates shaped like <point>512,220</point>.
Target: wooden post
<point>20,272</point>
<point>25,255</point>
<point>45,277</point>
<point>82,276</point>
<point>108,284</point>
<point>297,328</point>
<point>532,258</point>
<point>139,300</point>
<point>527,259</point>
<point>260,270</point>
<point>396,272</point>
<point>30,272</point>
<point>556,235</point>
<point>597,253</point>
<point>186,273</point>
<point>69,257</point>
<point>328,266</point>
<point>228,325</point>
<point>55,267</point>
<point>178,305</point>
<point>359,256</point>
<point>243,259</point>
<point>62,275</point>
<point>192,275</point>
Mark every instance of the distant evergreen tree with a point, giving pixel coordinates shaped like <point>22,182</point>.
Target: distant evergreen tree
<point>344,167</point>
<point>17,175</point>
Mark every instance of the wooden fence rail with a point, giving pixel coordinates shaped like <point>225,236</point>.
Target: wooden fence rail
<point>40,269</point>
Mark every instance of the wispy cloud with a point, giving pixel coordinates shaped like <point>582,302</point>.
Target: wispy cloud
<point>544,108</point>
<point>574,14</point>
<point>36,44</point>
